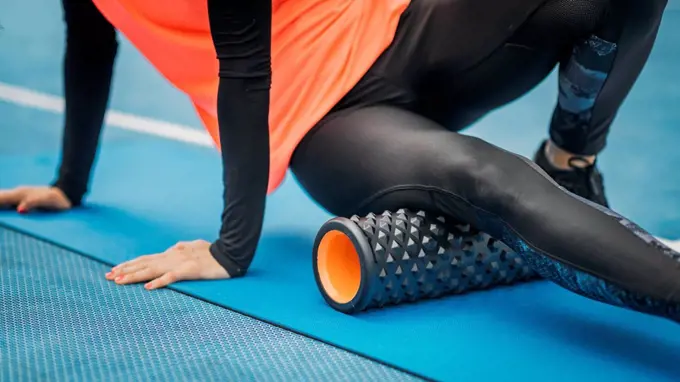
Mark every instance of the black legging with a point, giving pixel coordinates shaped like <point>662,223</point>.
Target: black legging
<point>374,154</point>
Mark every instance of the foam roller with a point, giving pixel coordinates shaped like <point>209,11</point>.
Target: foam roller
<point>405,256</point>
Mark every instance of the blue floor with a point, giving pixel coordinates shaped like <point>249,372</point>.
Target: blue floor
<point>534,331</point>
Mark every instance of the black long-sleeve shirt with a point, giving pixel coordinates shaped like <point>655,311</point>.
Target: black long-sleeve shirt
<point>241,33</point>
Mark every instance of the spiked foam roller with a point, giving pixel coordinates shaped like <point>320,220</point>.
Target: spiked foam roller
<point>404,256</point>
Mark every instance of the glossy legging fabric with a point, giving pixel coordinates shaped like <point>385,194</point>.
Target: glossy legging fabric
<point>383,158</point>
<point>387,146</point>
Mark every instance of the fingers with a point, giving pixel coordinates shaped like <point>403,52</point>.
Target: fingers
<point>47,198</point>
<point>31,198</point>
<point>183,261</point>
<point>134,262</point>
<point>31,202</point>
<point>129,267</point>
<point>163,281</point>
<point>9,198</point>
<point>145,268</point>
<point>138,276</point>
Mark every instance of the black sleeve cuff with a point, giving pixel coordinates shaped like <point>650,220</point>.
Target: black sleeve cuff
<point>74,194</point>
<point>233,269</point>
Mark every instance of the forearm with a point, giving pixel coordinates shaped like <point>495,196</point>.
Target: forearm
<point>91,48</point>
<point>241,34</point>
<point>244,134</point>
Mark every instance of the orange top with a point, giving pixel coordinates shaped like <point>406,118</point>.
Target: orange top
<point>320,50</point>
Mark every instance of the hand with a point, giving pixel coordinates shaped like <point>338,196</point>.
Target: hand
<point>28,198</point>
<point>183,261</point>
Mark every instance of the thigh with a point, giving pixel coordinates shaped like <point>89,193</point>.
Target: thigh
<point>354,157</point>
<point>383,158</point>
<point>374,158</point>
<point>437,44</point>
<point>457,95</point>
<point>453,61</point>
<point>459,99</point>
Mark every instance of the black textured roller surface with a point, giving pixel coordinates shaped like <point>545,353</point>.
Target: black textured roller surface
<point>407,256</point>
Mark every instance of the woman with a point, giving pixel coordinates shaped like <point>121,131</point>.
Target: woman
<point>372,127</point>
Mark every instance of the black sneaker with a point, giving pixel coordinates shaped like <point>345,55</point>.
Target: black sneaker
<point>586,182</point>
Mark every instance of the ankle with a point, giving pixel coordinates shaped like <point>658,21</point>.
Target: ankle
<point>565,160</point>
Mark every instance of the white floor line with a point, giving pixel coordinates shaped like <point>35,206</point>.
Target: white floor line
<point>46,102</point>
<point>55,104</point>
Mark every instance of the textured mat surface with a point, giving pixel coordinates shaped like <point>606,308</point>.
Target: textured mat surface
<point>61,321</point>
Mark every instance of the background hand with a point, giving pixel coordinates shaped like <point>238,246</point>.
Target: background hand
<point>183,261</point>
<point>28,198</point>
